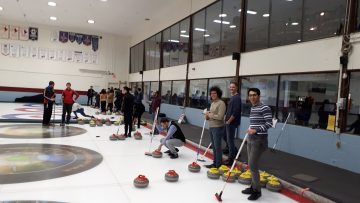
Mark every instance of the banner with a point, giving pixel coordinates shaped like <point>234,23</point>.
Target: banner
<point>4,31</point>
<point>51,54</point>
<point>24,51</point>
<point>87,40</point>
<point>5,49</point>
<point>63,36</point>
<point>78,56</point>
<point>72,37</point>
<point>14,50</point>
<point>34,52</point>
<point>14,32</point>
<point>33,33</point>
<point>95,42</point>
<point>43,53</point>
<point>78,38</point>
<point>24,33</point>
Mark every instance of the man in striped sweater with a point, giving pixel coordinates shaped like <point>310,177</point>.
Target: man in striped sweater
<point>257,142</point>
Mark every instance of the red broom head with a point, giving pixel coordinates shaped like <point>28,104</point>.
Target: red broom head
<point>218,196</point>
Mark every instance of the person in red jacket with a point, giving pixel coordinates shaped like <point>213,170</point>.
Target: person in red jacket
<point>68,100</point>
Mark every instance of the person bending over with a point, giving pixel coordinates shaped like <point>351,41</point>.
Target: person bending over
<point>77,108</point>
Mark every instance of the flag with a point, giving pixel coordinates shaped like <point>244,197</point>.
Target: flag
<point>24,33</point>
<point>14,32</point>
<point>33,33</point>
<point>63,36</point>
<point>4,31</point>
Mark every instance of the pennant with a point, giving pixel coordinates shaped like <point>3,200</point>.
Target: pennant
<point>33,33</point>
<point>4,31</point>
<point>24,33</point>
<point>34,52</point>
<point>78,38</point>
<point>14,32</point>
<point>54,36</point>
<point>14,50</point>
<point>63,36</point>
<point>87,40</point>
<point>72,37</point>
<point>5,49</point>
<point>95,42</point>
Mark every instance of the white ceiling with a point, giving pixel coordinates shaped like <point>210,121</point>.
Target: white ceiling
<point>120,17</point>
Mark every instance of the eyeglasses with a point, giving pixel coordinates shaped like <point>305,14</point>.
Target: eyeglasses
<point>253,95</point>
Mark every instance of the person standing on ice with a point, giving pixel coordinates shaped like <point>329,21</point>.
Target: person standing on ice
<point>257,141</point>
<point>174,138</point>
<point>49,100</point>
<point>68,101</point>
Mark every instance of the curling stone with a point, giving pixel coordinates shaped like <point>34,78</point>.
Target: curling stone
<point>194,167</point>
<point>156,154</point>
<point>272,178</point>
<point>97,113</point>
<point>143,123</point>
<point>245,179</point>
<point>137,135</point>
<point>99,123</point>
<point>274,186</point>
<point>230,177</point>
<point>121,118</point>
<point>263,181</point>
<point>103,113</point>
<point>236,172</point>
<point>117,113</point>
<point>171,176</point>
<point>108,122</point>
<point>223,169</point>
<point>80,121</point>
<point>117,123</point>
<point>141,181</point>
<point>92,123</point>
<point>213,173</point>
<point>265,175</point>
<point>109,113</point>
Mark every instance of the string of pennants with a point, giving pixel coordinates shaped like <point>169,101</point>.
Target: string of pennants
<point>85,39</point>
<point>14,32</point>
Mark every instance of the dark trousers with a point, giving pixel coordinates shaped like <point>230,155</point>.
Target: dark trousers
<point>66,110</point>
<point>103,106</point>
<point>138,117</point>
<point>47,113</point>
<point>215,135</point>
<point>110,106</point>
<point>128,123</point>
<point>230,140</point>
<point>118,105</point>
<point>255,148</point>
<point>81,112</point>
<point>90,100</point>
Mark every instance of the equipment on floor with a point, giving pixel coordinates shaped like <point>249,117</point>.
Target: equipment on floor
<point>201,137</point>
<point>137,135</point>
<point>171,176</point>
<point>218,195</point>
<point>201,159</point>
<point>213,173</point>
<point>194,167</point>
<point>282,129</point>
<point>149,153</point>
<point>156,154</point>
<point>141,181</point>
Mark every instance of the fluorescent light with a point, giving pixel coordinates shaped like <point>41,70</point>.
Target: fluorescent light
<point>251,12</point>
<point>183,31</point>
<point>265,15</point>
<point>322,13</point>
<point>200,29</point>
<point>232,26</point>
<point>206,35</point>
<point>223,15</point>
<point>239,10</point>
<point>187,36</point>
<point>289,0</point>
<point>217,21</point>
<point>294,23</point>
<point>103,0</point>
<point>53,18</point>
<point>1,8</point>
<point>91,21</point>
<point>299,40</point>
<point>173,40</point>
<point>313,28</point>
<point>51,3</point>
<point>225,22</point>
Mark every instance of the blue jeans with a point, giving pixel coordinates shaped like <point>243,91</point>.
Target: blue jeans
<point>216,137</point>
<point>230,136</point>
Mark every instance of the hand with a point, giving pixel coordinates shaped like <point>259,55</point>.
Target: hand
<point>52,99</point>
<point>227,123</point>
<point>159,148</point>
<point>251,131</point>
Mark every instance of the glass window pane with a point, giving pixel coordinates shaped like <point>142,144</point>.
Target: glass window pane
<point>285,22</point>
<point>166,92</point>
<point>157,51</point>
<point>154,87</point>
<point>198,94</point>
<point>267,86</point>
<point>257,25</point>
<point>178,93</point>
<point>353,119</point>
<point>166,48</point>
<point>323,18</point>
<point>174,41</point>
<point>148,58</point>
<point>358,18</point>
<point>147,91</point>
<point>198,36</point>
<point>309,97</point>
<point>140,61</point>
<point>223,84</point>
<point>230,31</point>
<point>132,59</point>
<point>184,41</point>
<point>212,33</point>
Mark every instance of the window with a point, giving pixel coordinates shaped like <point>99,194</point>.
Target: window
<point>285,22</point>
<point>198,36</point>
<point>174,41</point>
<point>184,41</point>
<point>353,119</point>
<point>230,27</point>
<point>257,26</point>
<point>136,58</point>
<point>166,48</point>
<point>147,91</point>
<point>267,86</point>
<point>154,86</point>
<point>223,84</point>
<point>198,93</point>
<point>178,93</point>
<point>152,52</point>
<point>323,18</point>
<point>212,32</point>
<point>166,92</point>
<point>310,98</point>
<point>358,18</point>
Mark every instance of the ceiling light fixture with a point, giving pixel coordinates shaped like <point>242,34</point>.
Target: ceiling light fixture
<point>232,26</point>
<point>294,23</point>
<point>91,21</point>
<point>217,21</point>
<point>1,8</point>
<point>103,0</point>
<point>299,40</point>
<point>251,12</point>
<point>173,40</point>
<point>223,15</point>
<point>239,10</point>
<point>51,3</point>
<point>313,28</point>
<point>206,35</point>
<point>200,29</point>
<point>183,31</point>
<point>322,13</point>
<point>53,18</point>
<point>186,36</point>
<point>266,15</point>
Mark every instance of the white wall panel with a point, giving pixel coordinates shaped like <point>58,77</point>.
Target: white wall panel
<point>214,68</point>
<point>173,73</point>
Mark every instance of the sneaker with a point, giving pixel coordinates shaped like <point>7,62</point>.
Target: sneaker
<point>129,135</point>
<point>228,162</point>
<point>173,156</point>
<point>168,151</point>
<point>254,196</point>
<point>248,191</point>
<point>225,151</point>
<point>76,117</point>
<point>210,166</point>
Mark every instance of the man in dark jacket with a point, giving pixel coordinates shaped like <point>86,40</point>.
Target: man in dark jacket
<point>49,99</point>
<point>68,101</point>
<point>90,95</point>
<point>127,110</point>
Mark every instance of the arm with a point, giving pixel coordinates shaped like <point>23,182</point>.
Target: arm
<point>169,134</point>
<point>266,112</point>
<point>220,114</point>
<point>236,111</point>
<point>76,95</point>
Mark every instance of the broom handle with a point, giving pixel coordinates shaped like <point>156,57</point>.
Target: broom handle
<point>153,127</point>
